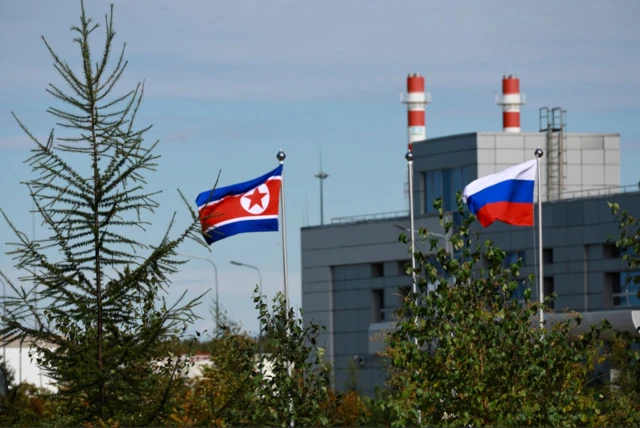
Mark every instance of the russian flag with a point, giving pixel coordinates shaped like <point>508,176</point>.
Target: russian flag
<point>251,206</point>
<point>506,196</point>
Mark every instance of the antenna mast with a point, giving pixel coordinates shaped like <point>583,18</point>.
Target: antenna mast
<point>321,175</point>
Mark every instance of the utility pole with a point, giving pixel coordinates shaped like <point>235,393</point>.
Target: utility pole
<point>322,176</point>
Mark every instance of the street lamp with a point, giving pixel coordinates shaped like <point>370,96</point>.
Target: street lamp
<point>215,270</point>
<point>260,288</point>
<point>447,244</point>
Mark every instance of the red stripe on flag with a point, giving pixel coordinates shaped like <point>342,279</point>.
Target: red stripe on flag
<point>230,207</point>
<point>514,213</point>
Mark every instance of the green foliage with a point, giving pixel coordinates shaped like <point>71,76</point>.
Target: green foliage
<point>92,295</point>
<point>469,353</point>
<point>27,405</point>
<point>626,347</point>
<point>292,381</point>
<point>629,239</point>
<point>288,385</point>
<point>222,394</point>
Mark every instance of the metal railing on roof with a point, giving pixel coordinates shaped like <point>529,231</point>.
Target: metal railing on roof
<point>565,196</point>
<point>369,217</point>
<point>591,193</point>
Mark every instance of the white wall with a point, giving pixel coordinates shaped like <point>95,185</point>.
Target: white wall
<point>25,368</point>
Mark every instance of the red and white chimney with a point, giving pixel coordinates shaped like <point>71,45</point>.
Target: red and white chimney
<point>416,101</point>
<point>510,101</point>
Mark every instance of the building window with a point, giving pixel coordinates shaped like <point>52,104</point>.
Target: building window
<point>433,260</point>
<point>456,186</point>
<point>433,188</point>
<point>518,294</point>
<point>623,289</point>
<point>547,255</point>
<point>466,176</point>
<point>377,305</point>
<point>447,189</point>
<point>444,184</point>
<point>403,266</point>
<point>512,257</point>
<point>549,287</point>
<point>377,270</point>
<point>610,251</point>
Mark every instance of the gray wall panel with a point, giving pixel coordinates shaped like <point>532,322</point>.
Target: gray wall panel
<point>612,175</point>
<point>612,157</point>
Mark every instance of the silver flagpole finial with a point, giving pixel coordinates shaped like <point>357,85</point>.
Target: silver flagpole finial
<point>409,156</point>
<point>281,156</point>
<point>539,153</point>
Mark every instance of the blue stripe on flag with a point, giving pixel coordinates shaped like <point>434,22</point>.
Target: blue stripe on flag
<point>505,191</point>
<point>235,189</point>
<point>230,229</point>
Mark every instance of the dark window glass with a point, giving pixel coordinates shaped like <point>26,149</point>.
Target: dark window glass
<point>512,258</point>
<point>446,190</point>
<point>377,270</point>
<point>377,305</point>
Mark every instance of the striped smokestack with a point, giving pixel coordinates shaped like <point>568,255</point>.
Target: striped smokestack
<point>510,101</point>
<point>416,102</point>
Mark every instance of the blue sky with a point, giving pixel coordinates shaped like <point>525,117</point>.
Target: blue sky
<point>230,83</point>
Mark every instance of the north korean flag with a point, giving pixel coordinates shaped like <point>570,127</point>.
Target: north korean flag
<point>251,206</point>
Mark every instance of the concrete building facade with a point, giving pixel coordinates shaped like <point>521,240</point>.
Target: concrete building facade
<point>353,269</point>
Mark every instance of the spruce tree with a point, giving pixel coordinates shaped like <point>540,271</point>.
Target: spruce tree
<point>92,296</point>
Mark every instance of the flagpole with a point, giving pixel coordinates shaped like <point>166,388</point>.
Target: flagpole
<point>281,157</point>
<point>539,153</point>
<point>414,288</point>
<point>409,158</point>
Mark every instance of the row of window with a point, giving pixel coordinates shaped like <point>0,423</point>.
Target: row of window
<point>444,184</point>
<point>624,292</point>
<point>379,308</point>
<point>511,257</point>
<point>377,269</point>
<point>548,285</point>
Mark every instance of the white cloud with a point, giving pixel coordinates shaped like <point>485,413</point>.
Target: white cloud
<point>287,51</point>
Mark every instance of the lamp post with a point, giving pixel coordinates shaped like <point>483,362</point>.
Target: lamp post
<point>447,244</point>
<point>215,270</point>
<point>233,262</point>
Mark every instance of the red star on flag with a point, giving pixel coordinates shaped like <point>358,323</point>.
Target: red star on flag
<point>255,198</point>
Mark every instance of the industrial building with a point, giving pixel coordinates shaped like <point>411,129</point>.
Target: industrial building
<point>353,268</point>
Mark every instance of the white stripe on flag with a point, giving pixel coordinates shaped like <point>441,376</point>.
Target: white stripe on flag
<point>523,171</point>
<point>277,177</point>
<point>233,220</point>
